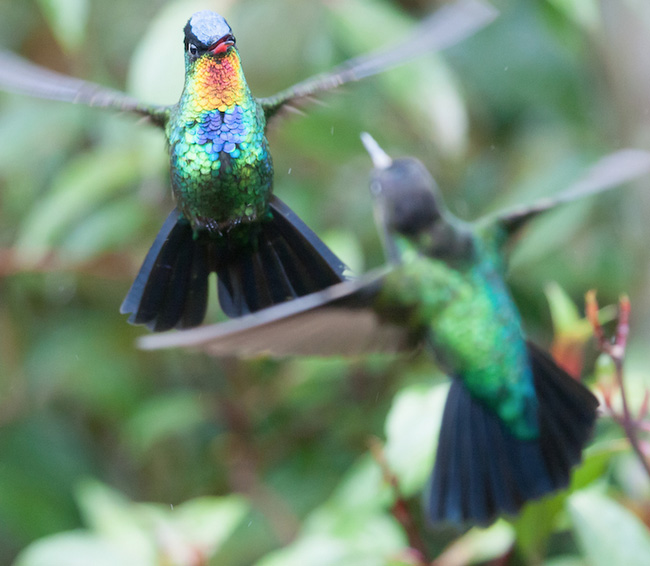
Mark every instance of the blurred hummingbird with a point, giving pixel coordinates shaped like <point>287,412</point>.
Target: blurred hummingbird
<point>226,218</point>
<point>514,423</point>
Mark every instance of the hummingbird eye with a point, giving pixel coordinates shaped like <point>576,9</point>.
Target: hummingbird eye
<point>192,49</point>
<point>375,188</point>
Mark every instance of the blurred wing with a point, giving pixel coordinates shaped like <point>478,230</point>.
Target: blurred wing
<point>449,25</point>
<point>337,321</point>
<point>608,173</point>
<point>19,76</point>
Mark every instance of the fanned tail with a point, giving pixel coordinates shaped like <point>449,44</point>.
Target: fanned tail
<point>273,262</point>
<point>289,261</point>
<point>171,288</point>
<point>482,470</point>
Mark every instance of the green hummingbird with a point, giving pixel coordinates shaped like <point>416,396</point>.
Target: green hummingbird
<point>514,423</point>
<point>226,218</point>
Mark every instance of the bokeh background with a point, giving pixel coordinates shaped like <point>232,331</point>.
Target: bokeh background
<point>110,455</point>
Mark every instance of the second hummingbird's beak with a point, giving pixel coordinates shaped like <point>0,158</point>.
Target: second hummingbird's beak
<point>222,45</point>
<point>380,159</point>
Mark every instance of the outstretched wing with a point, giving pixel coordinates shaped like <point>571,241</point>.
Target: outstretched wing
<point>447,26</point>
<point>19,76</point>
<point>337,321</point>
<point>610,172</point>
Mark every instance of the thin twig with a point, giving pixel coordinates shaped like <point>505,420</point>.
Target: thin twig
<point>615,349</point>
<point>400,509</point>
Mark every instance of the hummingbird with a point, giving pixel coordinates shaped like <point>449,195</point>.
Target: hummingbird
<point>227,219</point>
<point>514,422</point>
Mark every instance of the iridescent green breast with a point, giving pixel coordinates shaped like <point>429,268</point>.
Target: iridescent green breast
<point>221,167</point>
<point>474,329</point>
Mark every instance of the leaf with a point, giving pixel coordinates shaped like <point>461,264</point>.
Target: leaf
<point>369,541</point>
<point>412,428</point>
<point>426,90</point>
<point>85,183</point>
<point>539,519</point>
<point>607,532</point>
<point>207,522</point>
<point>361,490</point>
<point>111,516</point>
<point>315,551</point>
<point>479,545</point>
<point>565,561</point>
<point>566,318</point>
<point>74,548</point>
<point>105,229</point>
<point>352,528</point>
<point>68,20</point>
<point>584,13</point>
<point>565,315</point>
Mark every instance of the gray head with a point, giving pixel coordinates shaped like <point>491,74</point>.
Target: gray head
<point>404,191</point>
<point>207,32</point>
<point>407,202</point>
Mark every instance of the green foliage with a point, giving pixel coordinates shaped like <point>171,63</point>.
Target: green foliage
<point>121,532</point>
<point>594,517</point>
<point>68,20</point>
<point>266,462</point>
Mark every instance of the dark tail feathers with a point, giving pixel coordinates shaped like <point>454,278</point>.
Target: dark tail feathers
<point>278,260</point>
<point>289,261</point>
<point>482,470</point>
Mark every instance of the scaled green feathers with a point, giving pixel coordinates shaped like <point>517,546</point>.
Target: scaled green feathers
<point>470,321</point>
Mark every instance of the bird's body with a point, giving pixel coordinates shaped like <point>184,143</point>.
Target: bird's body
<point>466,316</point>
<point>221,167</point>
<point>227,219</point>
<point>514,422</point>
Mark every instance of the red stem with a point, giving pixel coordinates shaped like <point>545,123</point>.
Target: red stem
<point>616,351</point>
<point>400,509</point>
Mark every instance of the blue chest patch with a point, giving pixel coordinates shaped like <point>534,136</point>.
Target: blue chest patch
<point>223,130</point>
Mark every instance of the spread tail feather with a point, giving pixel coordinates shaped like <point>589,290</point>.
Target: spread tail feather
<point>277,260</point>
<point>289,261</point>
<point>482,470</point>
<point>171,288</point>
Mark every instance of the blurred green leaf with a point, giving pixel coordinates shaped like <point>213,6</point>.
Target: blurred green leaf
<point>86,182</point>
<point>607,532</point>
<point>565,561</point>
<point>539,519</point>
<point>113,518</point>
<point>366,541</point>
<point>583,12</point>
<point>174,414</point>
<point>566,318</point>
<point>207,522</point>
<point>351,528</point>
<point>122,532</point>
<point>479,545</point>
<point>361,491</point>
<point>412,428</point>
<point>73,549</point>
<point>108,228</point>
<point>68,20</point>
<point>426,91</point>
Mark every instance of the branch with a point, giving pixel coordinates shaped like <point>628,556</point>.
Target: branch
<point>615,349</point>
<point>400,509</point>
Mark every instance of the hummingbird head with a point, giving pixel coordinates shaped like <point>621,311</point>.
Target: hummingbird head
<point>403,191</point>
<point>407,195</point>
<point>407,202</point>
<point>207,33</point>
